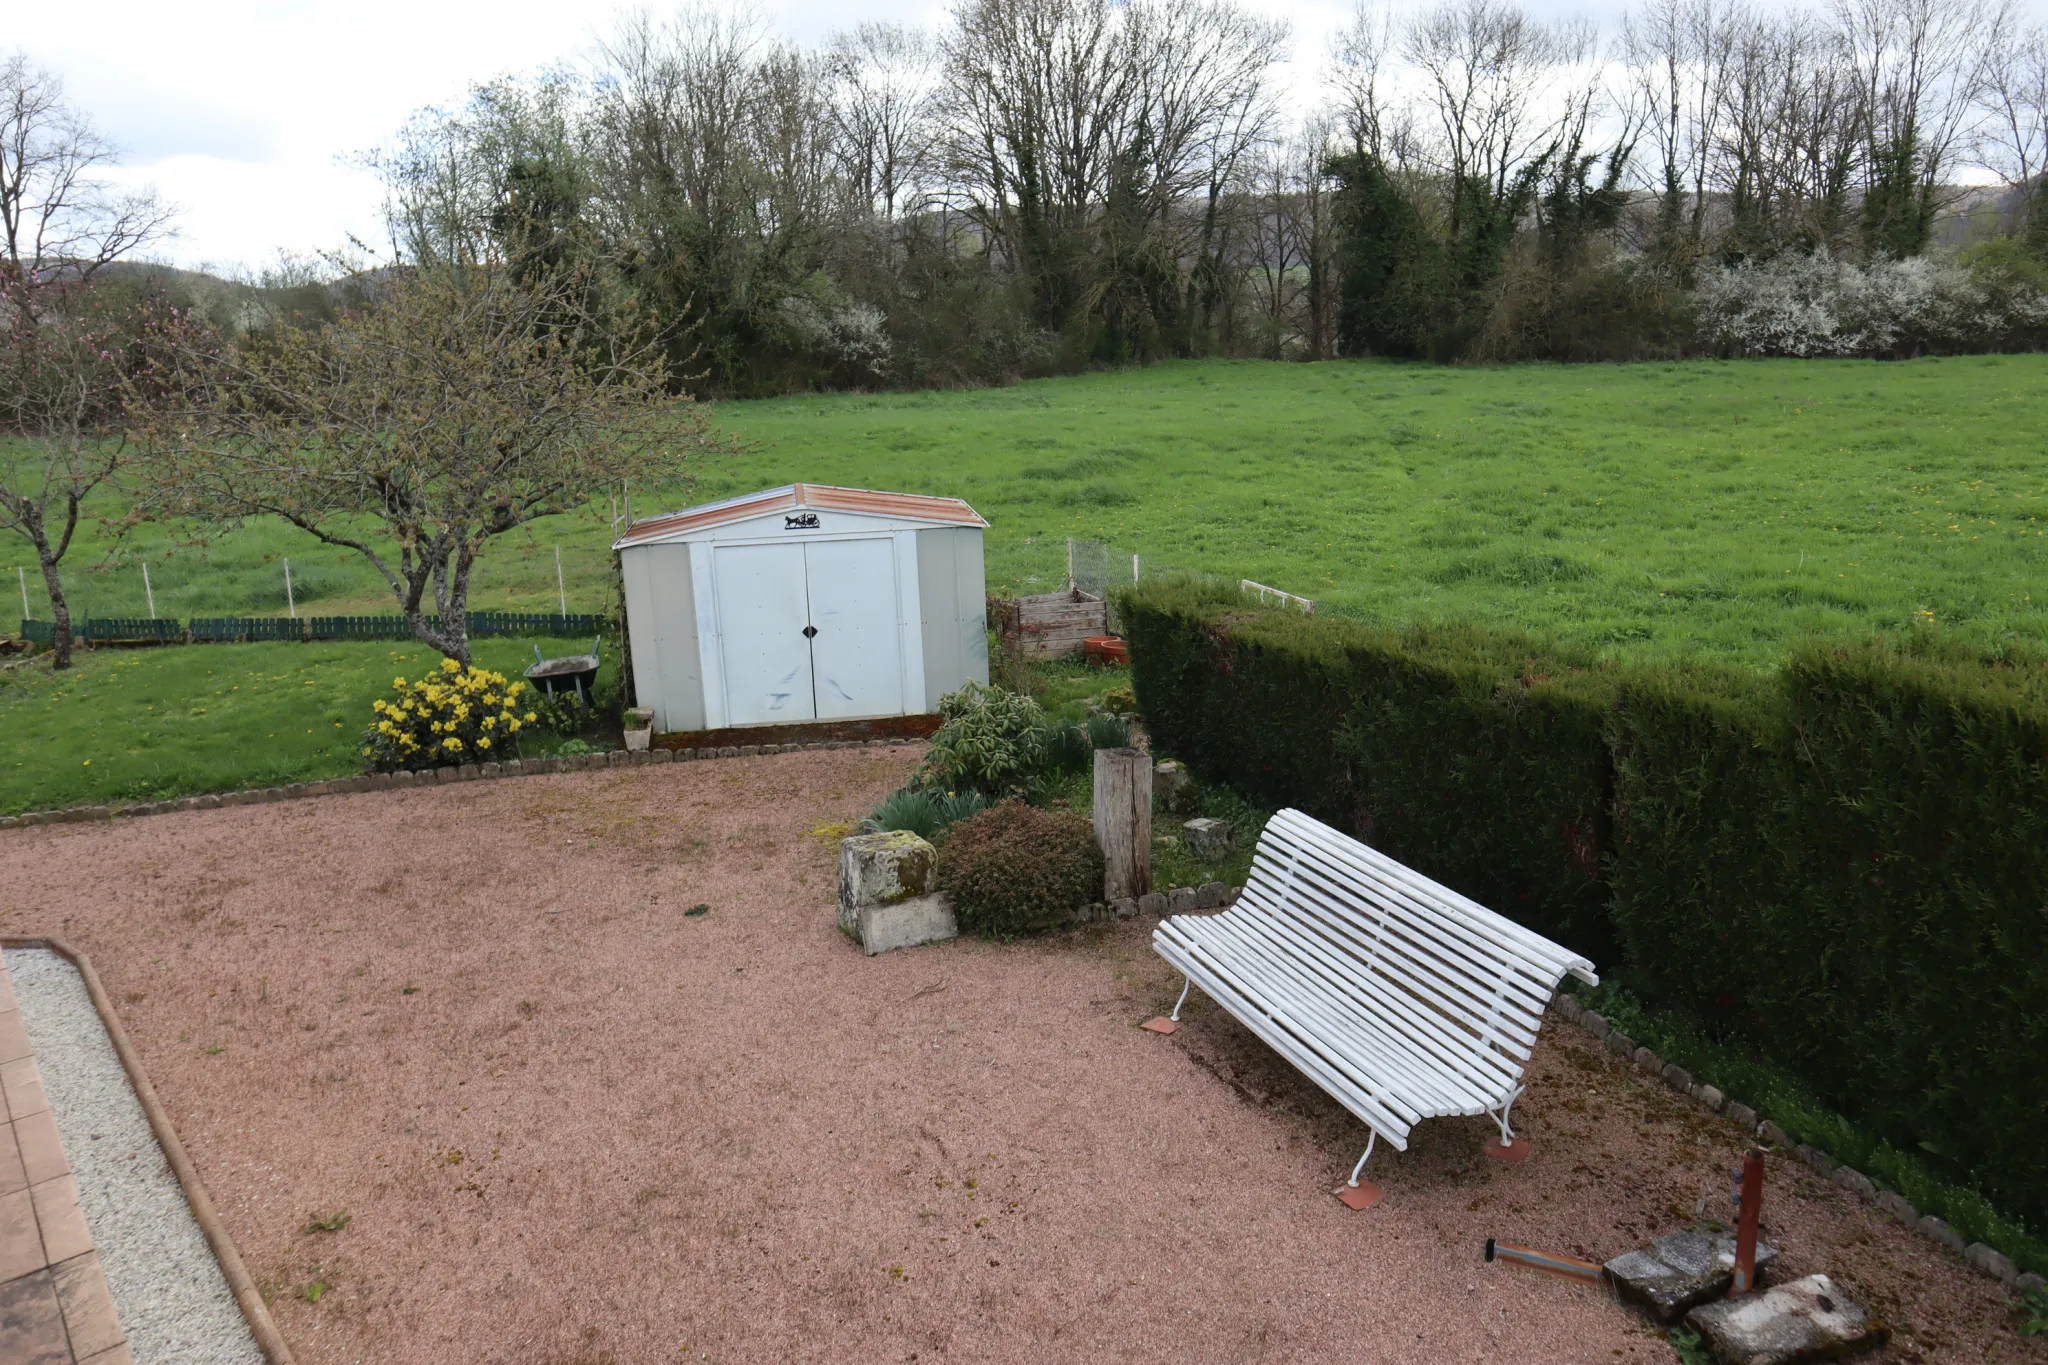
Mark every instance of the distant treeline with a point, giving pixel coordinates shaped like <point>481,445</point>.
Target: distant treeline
<point>1040,186</point>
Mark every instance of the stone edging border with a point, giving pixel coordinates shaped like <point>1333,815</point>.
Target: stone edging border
<point>247,1296</point>
<point>467,772</point>
<point>1992,1262</point>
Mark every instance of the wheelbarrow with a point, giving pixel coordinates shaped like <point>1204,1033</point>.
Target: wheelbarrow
<point>570,670</point>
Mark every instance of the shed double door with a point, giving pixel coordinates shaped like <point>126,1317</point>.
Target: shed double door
<point>808,630</point>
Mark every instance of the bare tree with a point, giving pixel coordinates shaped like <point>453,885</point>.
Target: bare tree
<point>58,215</point>
<point>1490,71</point>
<point>1789,136</point>
<point>455,406</point>
<point>885,89</point>
<point>62,348</point>
<point>2013,137</point>
<point>1675,55</point>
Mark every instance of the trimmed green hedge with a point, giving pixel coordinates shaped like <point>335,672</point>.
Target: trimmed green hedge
<point>1843,866</point>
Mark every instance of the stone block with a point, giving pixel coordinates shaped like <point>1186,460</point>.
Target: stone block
<point>617,758</point>
<point>295,790</point>
<point>1152,903</point>
<point>1937,1230</point>
<point>1772,1135</point>
<point>882,869</point>
<point>1180,900</point>
<point>905,923</point>
<point>490,770</point>
<point>664,755</point>
<point>1809,1319</point>
<point>1209,838</point>
<point>1211,895</point>
<point>1621,1045</point>
<point>1855,1182</point>
<point>1744,1116</point>
<point>1124,907</point>
<point>729,751</point>
<point>1173,787</point>
<point>209,803</point>
<point>1711,1098</point>
<point>1680,1270</point>
<point>1596,1024</point>
<point>1815,1158</point>
<point>1994,1263</point>
<point>749,750</point>
<point>1649,1061</point>
<point>1898,1206</point>
<point>8,821</point>
<point>1678,1078</point>
<point>2030,1283</point>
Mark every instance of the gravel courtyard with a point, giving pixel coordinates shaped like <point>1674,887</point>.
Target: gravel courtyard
<point>574,1124</point>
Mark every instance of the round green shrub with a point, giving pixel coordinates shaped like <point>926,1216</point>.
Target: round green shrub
<point>1016,869</point>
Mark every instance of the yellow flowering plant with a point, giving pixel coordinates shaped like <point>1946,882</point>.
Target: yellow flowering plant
<point>453,715</point>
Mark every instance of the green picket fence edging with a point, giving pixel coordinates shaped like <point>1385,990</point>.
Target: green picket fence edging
<point>216,629</point>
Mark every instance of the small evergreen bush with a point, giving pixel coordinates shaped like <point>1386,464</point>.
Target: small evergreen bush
<point>1015,869</point>
<point>992,742</point>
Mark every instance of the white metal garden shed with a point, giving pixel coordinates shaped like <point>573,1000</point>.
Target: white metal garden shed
<point>803,603</point>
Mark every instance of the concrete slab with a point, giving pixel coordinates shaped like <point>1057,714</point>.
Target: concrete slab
<point>1809,1319</point>
<point>1681,1270</point>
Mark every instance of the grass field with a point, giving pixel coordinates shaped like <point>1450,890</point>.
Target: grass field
<point>151,724</point>
<point>1712,507</point>
<point>1706,508</point>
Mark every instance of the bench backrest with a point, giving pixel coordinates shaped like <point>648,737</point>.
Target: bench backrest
<point>1471,976</point>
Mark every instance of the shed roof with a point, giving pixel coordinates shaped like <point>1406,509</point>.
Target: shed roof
<point>816,497</point>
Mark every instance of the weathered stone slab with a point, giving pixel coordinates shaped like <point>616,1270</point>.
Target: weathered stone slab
<point>1212,895</point>
<point>1180,900</point>
<point>906,923</point>
<point>1809,1319</point>
<point>1209,838</point>
<point>1124,907</point>
<point>1152,903</point>
<point>882,869</point>
<point>1681,1270</point>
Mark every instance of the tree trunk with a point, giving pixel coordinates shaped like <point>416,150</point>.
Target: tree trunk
<point>60,608</point>
<point>1123,821</point>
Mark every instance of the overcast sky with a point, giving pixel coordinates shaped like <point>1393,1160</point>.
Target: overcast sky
<point>246,113</point>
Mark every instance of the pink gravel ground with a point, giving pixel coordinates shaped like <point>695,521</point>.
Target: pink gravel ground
<point>574,1125</point>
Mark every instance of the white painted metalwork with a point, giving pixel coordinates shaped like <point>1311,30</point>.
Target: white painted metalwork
<point>1306,604</point>
<point>1399,997</point>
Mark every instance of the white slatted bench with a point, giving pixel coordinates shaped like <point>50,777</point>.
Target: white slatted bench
<point>1398,996</point>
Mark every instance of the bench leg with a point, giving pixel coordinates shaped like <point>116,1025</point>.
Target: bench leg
<point>1374,1136</point>
<point>1359,1196</point>
<point>1511,1148</point>
<point>1507,1134</point>
<point>1187,986</point>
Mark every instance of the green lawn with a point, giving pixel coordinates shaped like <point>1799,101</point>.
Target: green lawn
<point>1719,507</point>
<point>1707,507</point>
<point>150,724</point>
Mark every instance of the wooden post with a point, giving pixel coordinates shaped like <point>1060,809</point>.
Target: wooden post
<point>1747,1218</point>
<point>1123,821</point>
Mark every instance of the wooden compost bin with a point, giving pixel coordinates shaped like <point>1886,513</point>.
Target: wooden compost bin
<point>1049,625</point>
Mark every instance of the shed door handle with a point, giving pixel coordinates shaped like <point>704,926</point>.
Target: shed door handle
<point>810,632</point>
